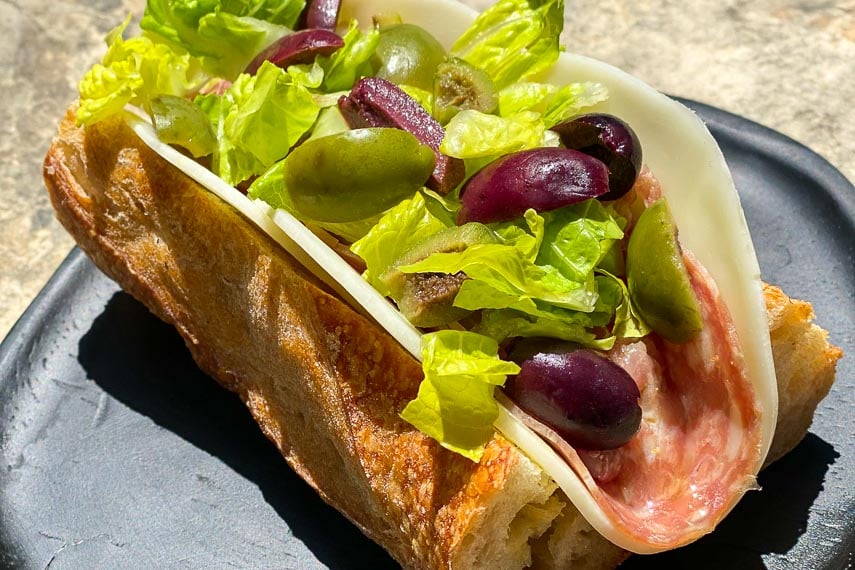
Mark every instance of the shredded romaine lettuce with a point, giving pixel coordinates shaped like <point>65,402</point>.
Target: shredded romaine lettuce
<point>513,39</point>
<point>261,117</point>
<point>455,405</point>
<point>571,99</point>
<point>614,297</point>
<point>134,71</point>
<point>502,276</point>
<point>402,227</point>
<point>555,104</point>
<point>577,237</point>
<point>352,61</point>
<point>225,35</point>
<point>472,134</point>
<point>507,323</point>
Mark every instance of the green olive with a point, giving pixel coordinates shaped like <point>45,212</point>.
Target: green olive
<point>180,122</point>
<point>427,299</point>
<point>658,282</point>
<point>458,86</point>
<point>356,174</point>
<point>407,54</point>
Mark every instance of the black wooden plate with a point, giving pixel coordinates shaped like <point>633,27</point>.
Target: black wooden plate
<point>117,452</point>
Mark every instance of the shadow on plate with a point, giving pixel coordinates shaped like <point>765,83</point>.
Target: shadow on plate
<point>143,363</point>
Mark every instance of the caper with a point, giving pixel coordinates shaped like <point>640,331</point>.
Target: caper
<point>355,174</point>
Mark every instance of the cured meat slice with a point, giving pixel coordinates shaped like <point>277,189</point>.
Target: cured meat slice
<point>698,447</point>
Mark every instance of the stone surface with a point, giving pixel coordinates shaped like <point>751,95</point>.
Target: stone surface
<point>788,64</point>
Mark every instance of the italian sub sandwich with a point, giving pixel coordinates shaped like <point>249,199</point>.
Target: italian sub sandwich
<point>496,303</point>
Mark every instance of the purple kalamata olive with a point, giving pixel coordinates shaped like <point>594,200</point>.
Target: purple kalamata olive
<point>375,102</point>
<point>320,14</point>
<point>543,179</point>
<point>299,47</point>
<point>590,401</point>
<point>612,141</point>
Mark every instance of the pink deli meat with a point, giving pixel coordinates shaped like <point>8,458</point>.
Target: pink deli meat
<point>699,442</point>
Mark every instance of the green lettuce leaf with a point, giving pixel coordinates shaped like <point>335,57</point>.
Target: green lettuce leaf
<point>525,235</point>
<point>422,97</point>
<point>576,238</point>
<point>224,34</point>
<point>260,118</point>
<point>524,96</point>
<point>507,323</point>
<point>455,404</point>
<point>472,134</point>
<point>134,71</point>
<point>399,230</point>
<point>614,299</point>
<point>555,104</point>
<point>513,39</point>
<point>571,99</point>
<point>504,276</point>
<point>270,187</point>
<point>352,61</point>
<point>330,122</point>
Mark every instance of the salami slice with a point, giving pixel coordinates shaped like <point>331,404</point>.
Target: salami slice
<point>698,447</point>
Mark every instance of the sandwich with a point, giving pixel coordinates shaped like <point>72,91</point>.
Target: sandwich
<point>401,272</point>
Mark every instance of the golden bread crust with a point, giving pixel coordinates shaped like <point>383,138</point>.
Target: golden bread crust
<point>323,383</point>
<point>805,364</point>
<point>326,385</point>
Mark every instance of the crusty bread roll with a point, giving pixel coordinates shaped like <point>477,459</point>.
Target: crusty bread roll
<point>326,385</point>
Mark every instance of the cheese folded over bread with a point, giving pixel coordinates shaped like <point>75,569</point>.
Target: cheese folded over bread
<point>325,384</point>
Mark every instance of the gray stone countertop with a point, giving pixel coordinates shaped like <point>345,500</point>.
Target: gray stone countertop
<point>788,64</point>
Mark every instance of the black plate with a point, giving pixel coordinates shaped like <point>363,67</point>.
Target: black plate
<point>117,452</point>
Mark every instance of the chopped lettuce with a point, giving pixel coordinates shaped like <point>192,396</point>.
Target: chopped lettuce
<point>614,299</point>
<point>502,276</point>
<point>330,122</point>
<point>513,39</point>
<point>526,234</point>
<point>399,230</point>
<point>550,260</point>
<point>134,71</point>
<point>422,97</point>
<point>524,96</point>
<point>270,187</point>
<point>224,34</point>
<point>261,117</point>
<point>352,61</point>
<point>555,104</point>
<point>576,238</point>
<point>571,99</point>
<point>472,134</point>
<point>507,323</point>
<point>455,404</point>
